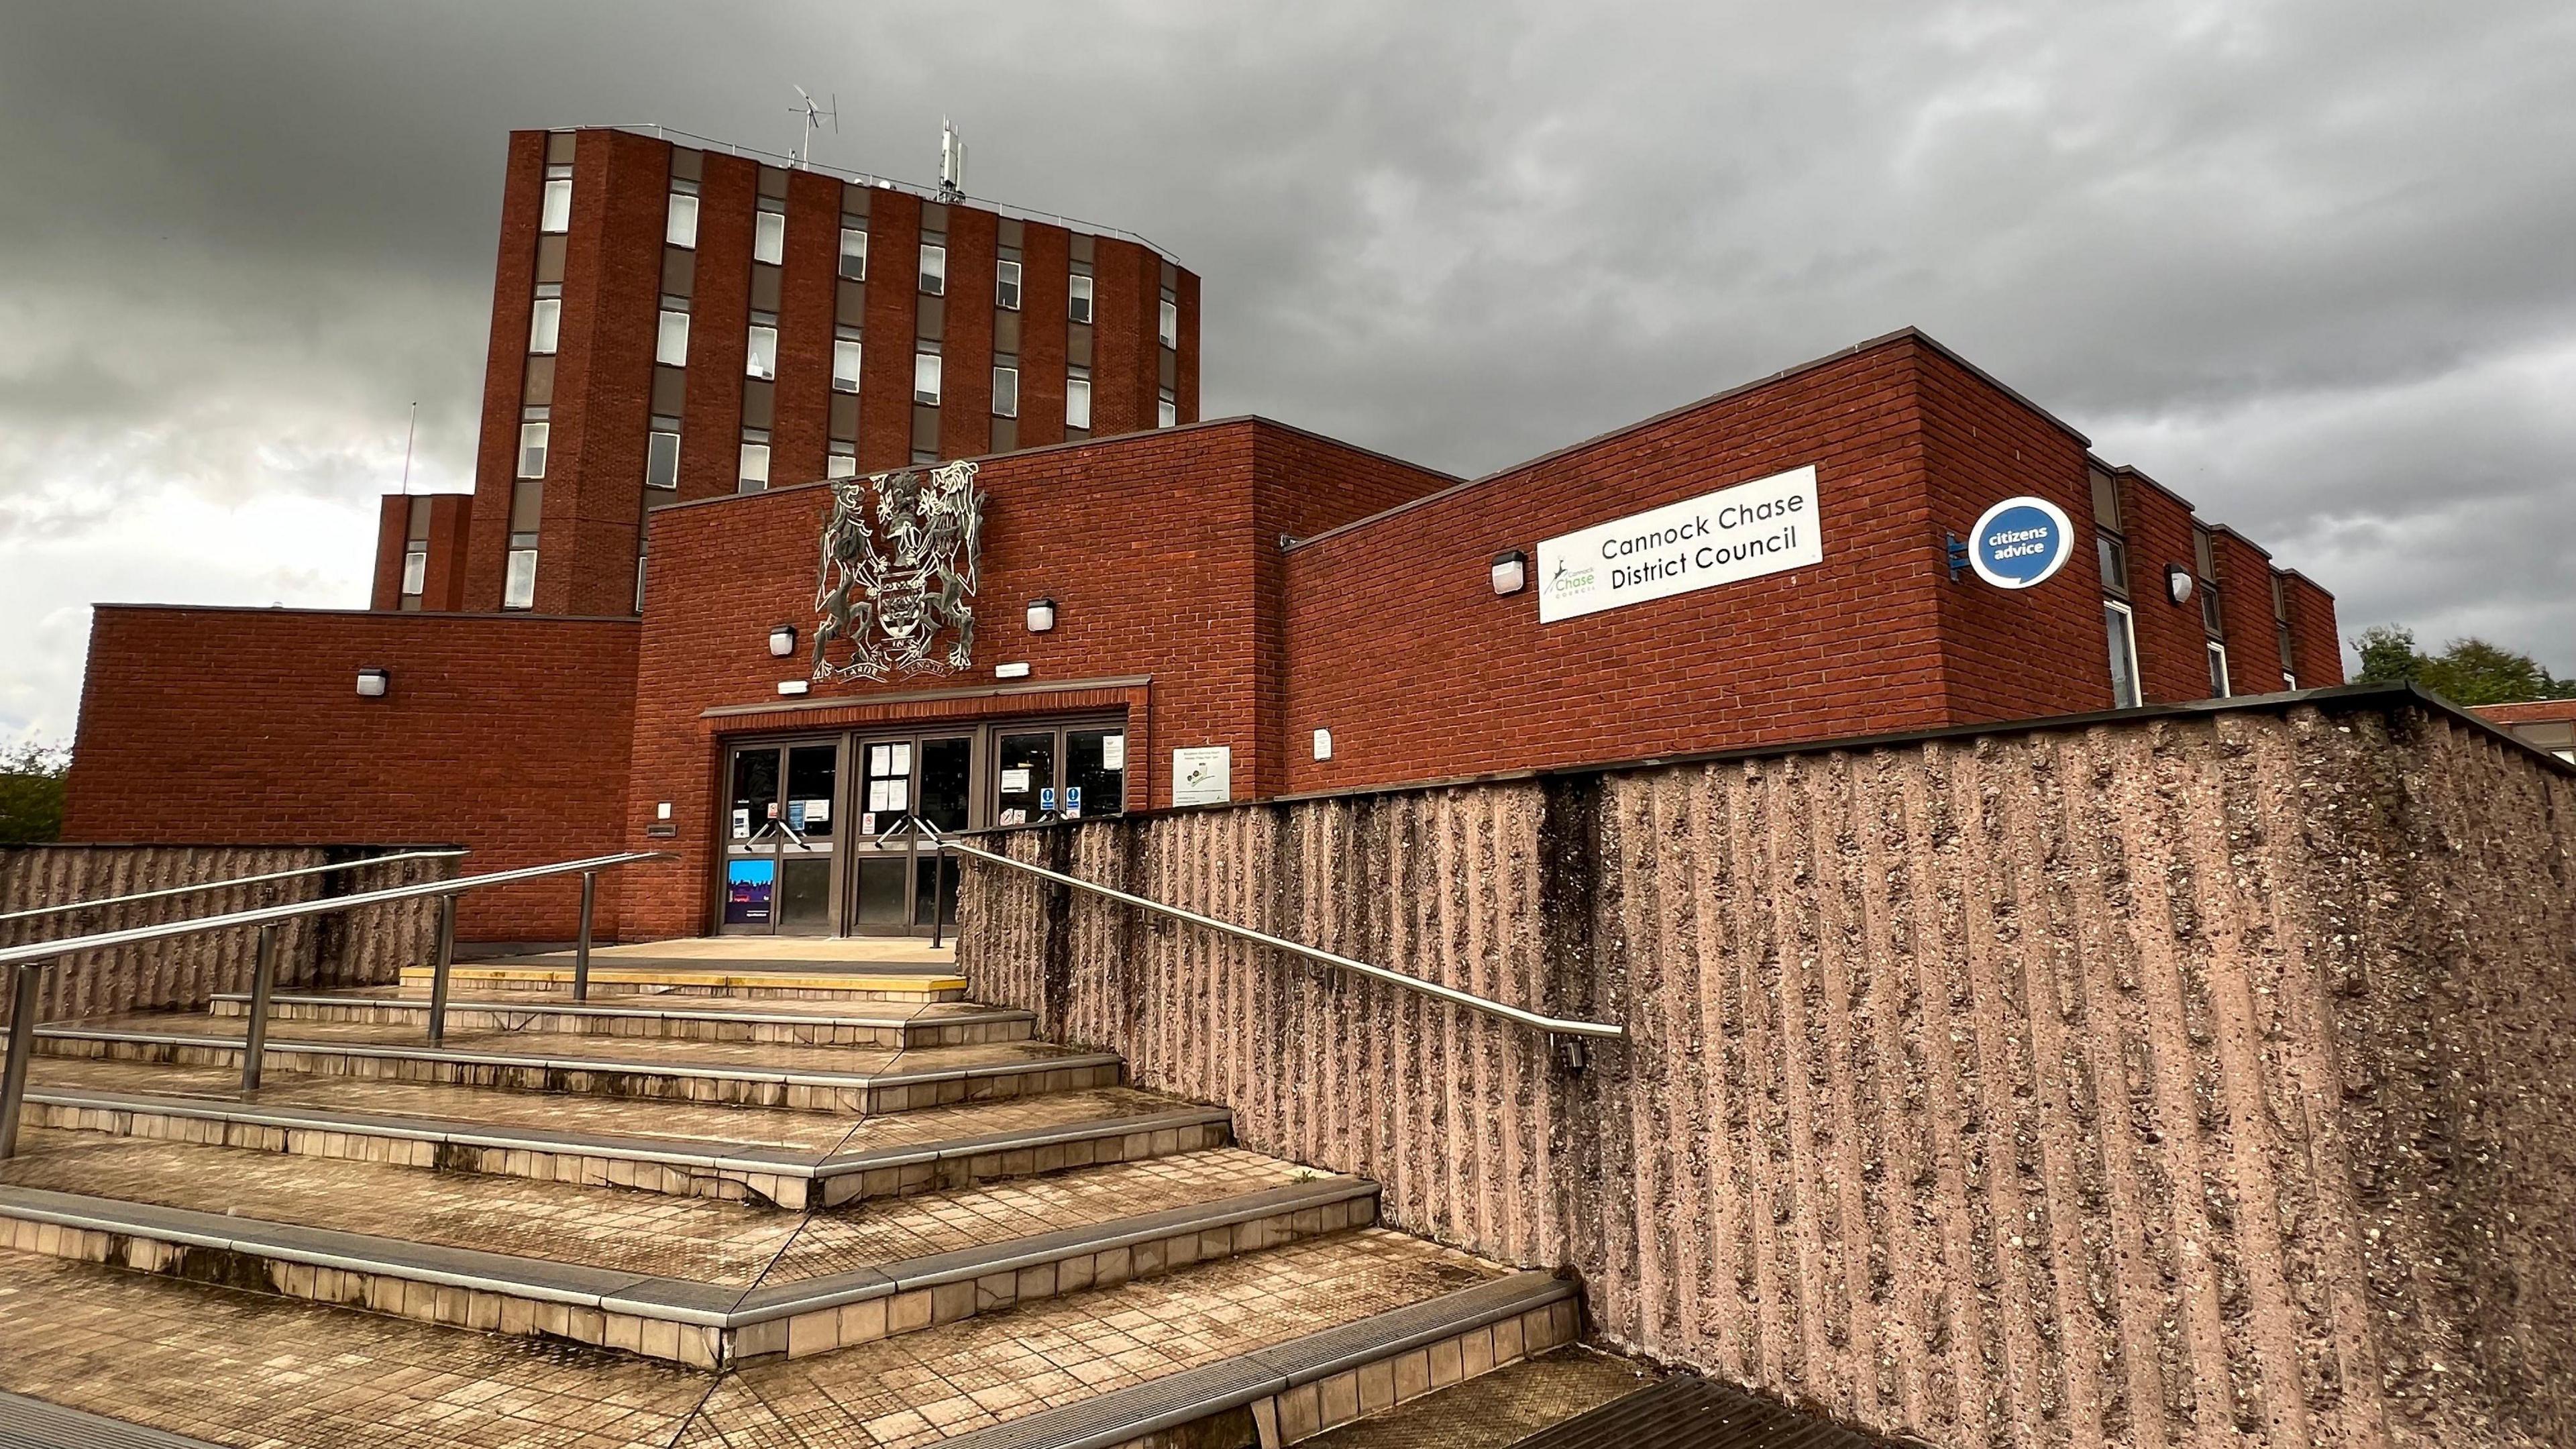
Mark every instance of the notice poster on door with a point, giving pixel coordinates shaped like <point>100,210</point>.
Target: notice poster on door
<point>749,887</point>
<point>742,824</point>
<point>1015,781</point>
<point>1113,752</point>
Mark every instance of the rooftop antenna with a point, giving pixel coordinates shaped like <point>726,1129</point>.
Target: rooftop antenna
<point>952,162</point>
<point>815,116</point>
<point>409,432</point>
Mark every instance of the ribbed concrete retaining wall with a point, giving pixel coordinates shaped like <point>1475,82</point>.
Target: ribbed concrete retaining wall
<point>368,945</point>
<point>2197,1080</point>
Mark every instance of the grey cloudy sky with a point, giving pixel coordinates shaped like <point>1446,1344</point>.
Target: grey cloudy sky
<point>2311,263</point>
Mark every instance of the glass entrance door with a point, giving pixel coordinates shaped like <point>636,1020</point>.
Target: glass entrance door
<point>780,866</point>
<point>907,782</point>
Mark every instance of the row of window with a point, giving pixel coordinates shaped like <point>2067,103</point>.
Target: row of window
<point>2119,618</point>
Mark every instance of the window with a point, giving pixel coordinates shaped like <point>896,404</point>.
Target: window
<point>1167,411</point>
<point>1077,402</point>
<point>1171,324</point>
<point>2289,681</point>
<point>934,269</point>
<point>2281,626</point>
<point>662,459</point>
<point>681,228</point>
<point>753,476</point>
<point>925,378</point>
<point>639,583</point>
<point>845,366</point>
<point>555,215</point>
<point>1006,392</point>
<point>2210,617</point>
<point>671,343</point>
<point>1080,303</point>
<point>2217,670</point>
<point>2115,563</point>
<point>841,465</point>
<point>762,358</point>
<point>519,581</point>
<point>768,237</point>
<point>415,568</point>
<point>545,322</point>
<point>854,254</point>
<point>1006,285</point>
<point>2123,634</point>
<point>532,450</point>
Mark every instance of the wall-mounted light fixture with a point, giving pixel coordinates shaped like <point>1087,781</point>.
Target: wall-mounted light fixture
<point>782,641</point>
<point>1511,571</point>
<point>374,683</point>
<point>1041,615</point>
<point>2178,583</point>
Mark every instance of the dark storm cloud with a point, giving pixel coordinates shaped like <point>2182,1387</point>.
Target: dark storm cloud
<point>2306,262</point>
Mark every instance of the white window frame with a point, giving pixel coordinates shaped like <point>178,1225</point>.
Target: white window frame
<point>1167,412</point>
<point>1006,380</point>
<point>2129,629</point>
<point>519,580</point>
<point>680,225</point>
<point>671,338</point>
<point>768,236</point>
<point>1078,299</point>
<point>415,576</point>
<point>554,208</point>
<point>841,465</point>
<point>652,440</point>
<point>1077,402</point>
<point>1006,285</point>
<point>1169,324</point>
<point>760,353</point>
<point>751,473</point>
<point>2220,686</point>
<point>545,325</point>
<point>853,352</point>
<point>532,437</point>
<point>934,269</point>
<point>925,378</point>
<point>848,253</point>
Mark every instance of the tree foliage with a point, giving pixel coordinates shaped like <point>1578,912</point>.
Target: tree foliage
<point>31,792</point>
<point>2467,671</point>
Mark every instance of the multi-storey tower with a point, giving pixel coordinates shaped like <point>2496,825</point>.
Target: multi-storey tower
<point>675,319</point>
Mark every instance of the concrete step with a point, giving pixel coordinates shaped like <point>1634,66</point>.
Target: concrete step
<point>690,1281</point>
<point>718,981</point>
<point>782,1159</point>
<point>1300,1336</point>
<point>847,1080</point>
<point>1505,1408</point>
<point>642,1016</point>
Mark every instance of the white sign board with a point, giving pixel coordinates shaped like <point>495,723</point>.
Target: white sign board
<point>1767,526</point>
<point>1203,775</point>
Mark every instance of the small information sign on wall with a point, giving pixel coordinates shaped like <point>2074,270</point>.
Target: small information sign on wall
<point>1203,775</point>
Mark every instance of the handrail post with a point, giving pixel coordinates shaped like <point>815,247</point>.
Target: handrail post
<point>22,1047</point>
<point>439,964</point>
<point>938,879</point>
<point>581,953</point>
<point>263,980</point>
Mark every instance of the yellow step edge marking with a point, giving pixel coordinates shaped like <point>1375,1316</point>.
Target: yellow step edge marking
<point>836,981</point>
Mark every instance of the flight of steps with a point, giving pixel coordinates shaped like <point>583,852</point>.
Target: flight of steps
<point>702,1208</point>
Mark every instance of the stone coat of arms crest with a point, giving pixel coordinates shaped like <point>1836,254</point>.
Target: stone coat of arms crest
<point>898,573</point>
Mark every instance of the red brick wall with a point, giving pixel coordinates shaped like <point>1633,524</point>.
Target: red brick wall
<point>393,539</point>
<point>808,284</point>
<point>2171,662</point>
<point>1046,262</point>
<point>603,376</point>
<point>2006,653</point>
<point>2245,599</point>
<point>505,366</point>
<point>719,322</point>
<point>1156,573</point>
<point>506,734</point>
<point>966,353</point>
<point>2315,646</point>
<point>1398,645</point>
<point>885,365</point>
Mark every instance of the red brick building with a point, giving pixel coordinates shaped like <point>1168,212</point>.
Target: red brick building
<point>677,319</point>
<point>1229,609</point>
<point>2547,723</point>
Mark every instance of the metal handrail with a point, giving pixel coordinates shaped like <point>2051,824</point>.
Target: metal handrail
<point>1555,1026</point>
<point>29,960</point>
<point>216,885</point>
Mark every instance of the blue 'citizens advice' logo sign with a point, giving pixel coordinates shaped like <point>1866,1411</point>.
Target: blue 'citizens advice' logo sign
<point>2020,543</point>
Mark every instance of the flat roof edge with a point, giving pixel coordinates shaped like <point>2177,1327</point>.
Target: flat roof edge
<point>516,615</point>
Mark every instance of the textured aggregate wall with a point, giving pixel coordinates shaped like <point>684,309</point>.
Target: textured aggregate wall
<point>2186,1081</point>
<point>366,946</point>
